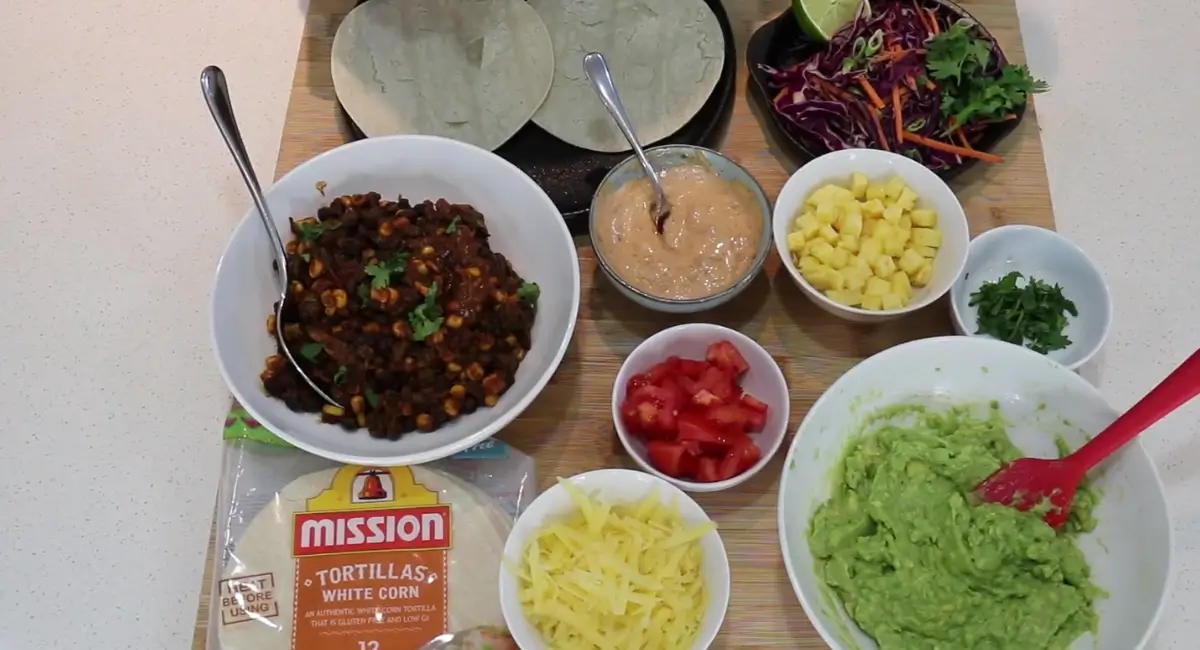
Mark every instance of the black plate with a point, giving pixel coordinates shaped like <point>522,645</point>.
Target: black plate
<point>781,42</point>
<point>570,175</point>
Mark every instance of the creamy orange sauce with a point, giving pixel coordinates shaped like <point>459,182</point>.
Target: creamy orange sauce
<point>708,243</point>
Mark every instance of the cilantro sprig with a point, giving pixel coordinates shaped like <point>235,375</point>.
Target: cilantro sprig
<point>381,272</point>
<point>1033,314</point>
<point>426,318</point>
<point>310,231</point>
<point>529,292</point>
<point>960,61</point>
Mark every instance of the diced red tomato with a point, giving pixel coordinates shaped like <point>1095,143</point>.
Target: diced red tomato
<point>635,382</point>
<point>731,417</point>
<point>753,403</point>
<point>747,452</point>
<point>712,439</point>
<point>656,412</point>
<point>670,458</point>
<point>629,417</point>
<point>705,398</point>
<point>728,467</point>
<point>726,356</point>
<point>662,370</point>
<point>718,382</point>
<point>692,368</point>
<point>708,469</point>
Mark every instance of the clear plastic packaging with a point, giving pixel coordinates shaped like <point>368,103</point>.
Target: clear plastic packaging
<point>314,555</point>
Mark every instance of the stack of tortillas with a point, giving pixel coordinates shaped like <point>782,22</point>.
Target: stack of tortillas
<point>479,70</point>
<point>264,562</point>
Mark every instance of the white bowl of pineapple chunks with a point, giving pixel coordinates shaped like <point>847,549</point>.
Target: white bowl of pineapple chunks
<point>870,235</point>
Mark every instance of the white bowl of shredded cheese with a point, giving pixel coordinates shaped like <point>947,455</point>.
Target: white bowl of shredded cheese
<point>614,558</point>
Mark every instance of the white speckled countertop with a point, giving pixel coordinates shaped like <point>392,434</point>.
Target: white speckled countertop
<point>118,197</point>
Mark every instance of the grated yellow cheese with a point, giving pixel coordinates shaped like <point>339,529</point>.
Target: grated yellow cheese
<point>615,576</point>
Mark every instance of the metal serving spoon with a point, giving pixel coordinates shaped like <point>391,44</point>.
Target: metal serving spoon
<point>216,95</point>
<point>596,69</point>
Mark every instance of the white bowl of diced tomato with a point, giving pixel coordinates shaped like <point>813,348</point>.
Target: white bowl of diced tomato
<point>700,405</point>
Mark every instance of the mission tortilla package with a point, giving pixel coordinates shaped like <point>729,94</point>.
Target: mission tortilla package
<point>314,555</point>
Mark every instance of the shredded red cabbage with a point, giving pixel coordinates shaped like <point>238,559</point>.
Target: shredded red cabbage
<point>825,104</point>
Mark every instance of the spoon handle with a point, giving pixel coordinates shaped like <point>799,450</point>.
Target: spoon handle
<point>216,95</point>
<point>596,69</point>
<point>1179,387</point>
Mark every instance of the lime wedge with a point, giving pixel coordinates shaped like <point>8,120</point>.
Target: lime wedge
<point>821,19</point>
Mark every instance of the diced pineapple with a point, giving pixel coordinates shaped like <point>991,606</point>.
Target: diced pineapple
<point>877,287</point>
<point>807,223</point>
<point>911,261</point>
<point>869,226</point>
<point>924,218</point>
<point>858,184</point>
<point>820,277</point>
<point>893,246</point>
<point>852,223</point>
<point>841,195</point>
<point>901,285</point>
<point>827,233</point>
<point>822,251</point>
<point>876,192</point>
<point>894,187</point>
<point>927,237</point>
<point>905,223</point>
<point>856,278</point>
<point>795,241</point>
<point>826,211</point>
<point>835,280</point>
<point>924,275</point>
<point>892,301</point>
<point>839,258</point>
<point>849,243</point>
<point>892,214</point>
<point>874,303</point>
<point>857,262</point>
<point>822,194</point>
<point>884,267</point>
<point>870,249</point>
<point>907,199</point>
<point>902,236</point>
<point>807,264</point>
<point>873,208</point>
<point>845,297</point>
<point>883,230</point>
<point>925,251</point>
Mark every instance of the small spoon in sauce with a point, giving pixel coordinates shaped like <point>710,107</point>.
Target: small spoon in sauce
<point>216,95</point>
<point>596,69</point>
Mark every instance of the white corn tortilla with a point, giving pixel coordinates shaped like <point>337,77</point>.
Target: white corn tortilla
<point>665,56</point>
<point>471,70</point>
<point>479,529</point>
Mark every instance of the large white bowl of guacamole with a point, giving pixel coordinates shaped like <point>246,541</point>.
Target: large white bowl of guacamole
<point>887,549</point>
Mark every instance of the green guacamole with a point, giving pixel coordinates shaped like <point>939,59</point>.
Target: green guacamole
<point>921,565</point>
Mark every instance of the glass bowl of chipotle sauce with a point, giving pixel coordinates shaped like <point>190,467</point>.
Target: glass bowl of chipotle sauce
<point>714,242</point>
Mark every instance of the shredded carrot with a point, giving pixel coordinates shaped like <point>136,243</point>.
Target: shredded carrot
<point>934,21</point>
<point>930,85</point>
<point>871,94</point>
<point>879,129</point>
<point>782,92</point>
<point>897,114</point>
<point>921,17</point>
<point>835,91</point>
<point>949,148</point>
<point>890,55</point>
<point>962,137</point>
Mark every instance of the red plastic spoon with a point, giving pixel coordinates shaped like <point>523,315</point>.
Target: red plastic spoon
<point>1027,482</point>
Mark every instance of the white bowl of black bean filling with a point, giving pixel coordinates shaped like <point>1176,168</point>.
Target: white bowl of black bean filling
<point>712,245</point>
<point>434,291</point>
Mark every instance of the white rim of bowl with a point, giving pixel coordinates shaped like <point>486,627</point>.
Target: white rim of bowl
<point>810,610</point>
<point>785,255</point>
<point>957,315</point>
<point>493,427</point>
<point>692,486</point>
<point>760,257</point>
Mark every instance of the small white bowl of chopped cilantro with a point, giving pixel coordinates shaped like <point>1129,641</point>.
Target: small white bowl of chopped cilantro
<point>1033,287</point>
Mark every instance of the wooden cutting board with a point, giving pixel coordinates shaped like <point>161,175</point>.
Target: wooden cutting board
<point>568,429</point>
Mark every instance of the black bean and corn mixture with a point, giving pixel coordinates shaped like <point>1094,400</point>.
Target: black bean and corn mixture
<point>402,313</point>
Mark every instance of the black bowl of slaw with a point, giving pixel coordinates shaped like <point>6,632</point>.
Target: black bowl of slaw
<point>781,43</point>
